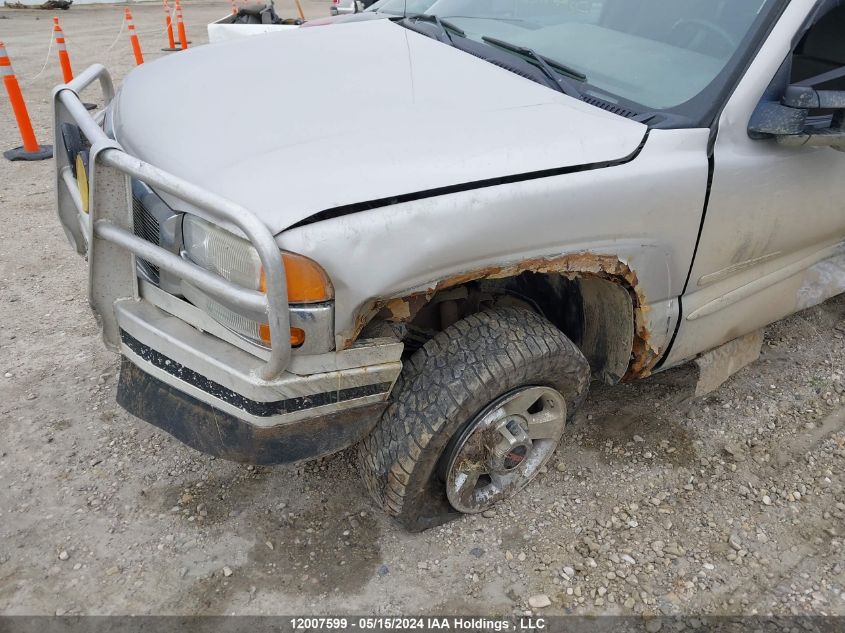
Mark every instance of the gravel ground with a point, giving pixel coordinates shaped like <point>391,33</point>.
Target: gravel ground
<point>656,503</point>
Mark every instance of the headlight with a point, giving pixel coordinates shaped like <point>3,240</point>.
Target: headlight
<point>221,252</point>
<point>234,259</point>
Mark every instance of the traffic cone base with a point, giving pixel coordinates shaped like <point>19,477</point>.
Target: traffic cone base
<point>19,153</point>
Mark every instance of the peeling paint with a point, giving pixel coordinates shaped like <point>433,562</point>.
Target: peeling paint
<point>571,266</point>
<point>400,310</point>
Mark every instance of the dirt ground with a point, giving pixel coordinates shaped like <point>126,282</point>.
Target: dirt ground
<point>656,503</point>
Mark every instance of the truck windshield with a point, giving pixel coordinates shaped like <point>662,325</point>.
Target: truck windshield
<point>658,54</point>
<point>400,7</point>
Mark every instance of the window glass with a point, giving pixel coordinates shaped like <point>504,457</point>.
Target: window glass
<point>657,53</point>
<point>399,7</point>
<point>821,50</point>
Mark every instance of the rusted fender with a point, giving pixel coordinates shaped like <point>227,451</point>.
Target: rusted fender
<point>574,265</point>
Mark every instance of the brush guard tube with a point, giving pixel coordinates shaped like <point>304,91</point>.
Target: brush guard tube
<point>106,234</point>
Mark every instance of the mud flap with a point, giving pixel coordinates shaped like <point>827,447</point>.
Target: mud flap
<point>717,365</point>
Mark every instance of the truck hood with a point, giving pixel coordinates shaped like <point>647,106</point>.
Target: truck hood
<point>293,123</point>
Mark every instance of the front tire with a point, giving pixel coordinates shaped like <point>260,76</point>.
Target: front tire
<point>441,409</point>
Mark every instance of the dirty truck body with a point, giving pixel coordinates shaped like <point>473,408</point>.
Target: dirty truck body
<point>645,184</point>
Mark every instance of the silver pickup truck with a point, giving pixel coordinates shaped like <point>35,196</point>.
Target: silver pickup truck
<point>526,195</point>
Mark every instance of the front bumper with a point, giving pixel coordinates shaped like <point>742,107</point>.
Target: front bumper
<point>222,376</point>
<point>205,391</point>
<point>211,430</point>
<point>182,371</point>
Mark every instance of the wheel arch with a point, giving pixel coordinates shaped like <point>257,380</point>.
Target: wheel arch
<point>595,299</point>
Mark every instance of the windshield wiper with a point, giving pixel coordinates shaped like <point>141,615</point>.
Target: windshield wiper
<point>444,26</point>
<point>550,67</point>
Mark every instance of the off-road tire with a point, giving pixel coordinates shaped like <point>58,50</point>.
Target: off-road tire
<point>443,386</point>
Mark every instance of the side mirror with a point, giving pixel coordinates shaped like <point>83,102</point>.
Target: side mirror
<point>804,117</point>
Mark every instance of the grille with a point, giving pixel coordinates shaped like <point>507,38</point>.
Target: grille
<point>146,227</point>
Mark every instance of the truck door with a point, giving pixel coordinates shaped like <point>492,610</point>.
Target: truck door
<point>773,234</point>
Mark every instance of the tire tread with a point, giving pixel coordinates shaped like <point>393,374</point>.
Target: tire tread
<point>442,383</point>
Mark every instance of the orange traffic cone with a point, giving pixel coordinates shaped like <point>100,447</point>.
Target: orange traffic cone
<point>64,59</point>
<point>30,150</point>
<point>171,43</point>
<point>180,25</point>
<point>133,37</point>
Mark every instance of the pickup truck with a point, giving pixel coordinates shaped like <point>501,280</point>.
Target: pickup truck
<point>534,194</point>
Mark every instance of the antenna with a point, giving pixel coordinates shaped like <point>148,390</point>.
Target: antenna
<point>405,9</point>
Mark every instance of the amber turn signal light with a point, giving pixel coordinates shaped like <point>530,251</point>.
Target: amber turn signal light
<point>297,335</point>
<point>306,281</point>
